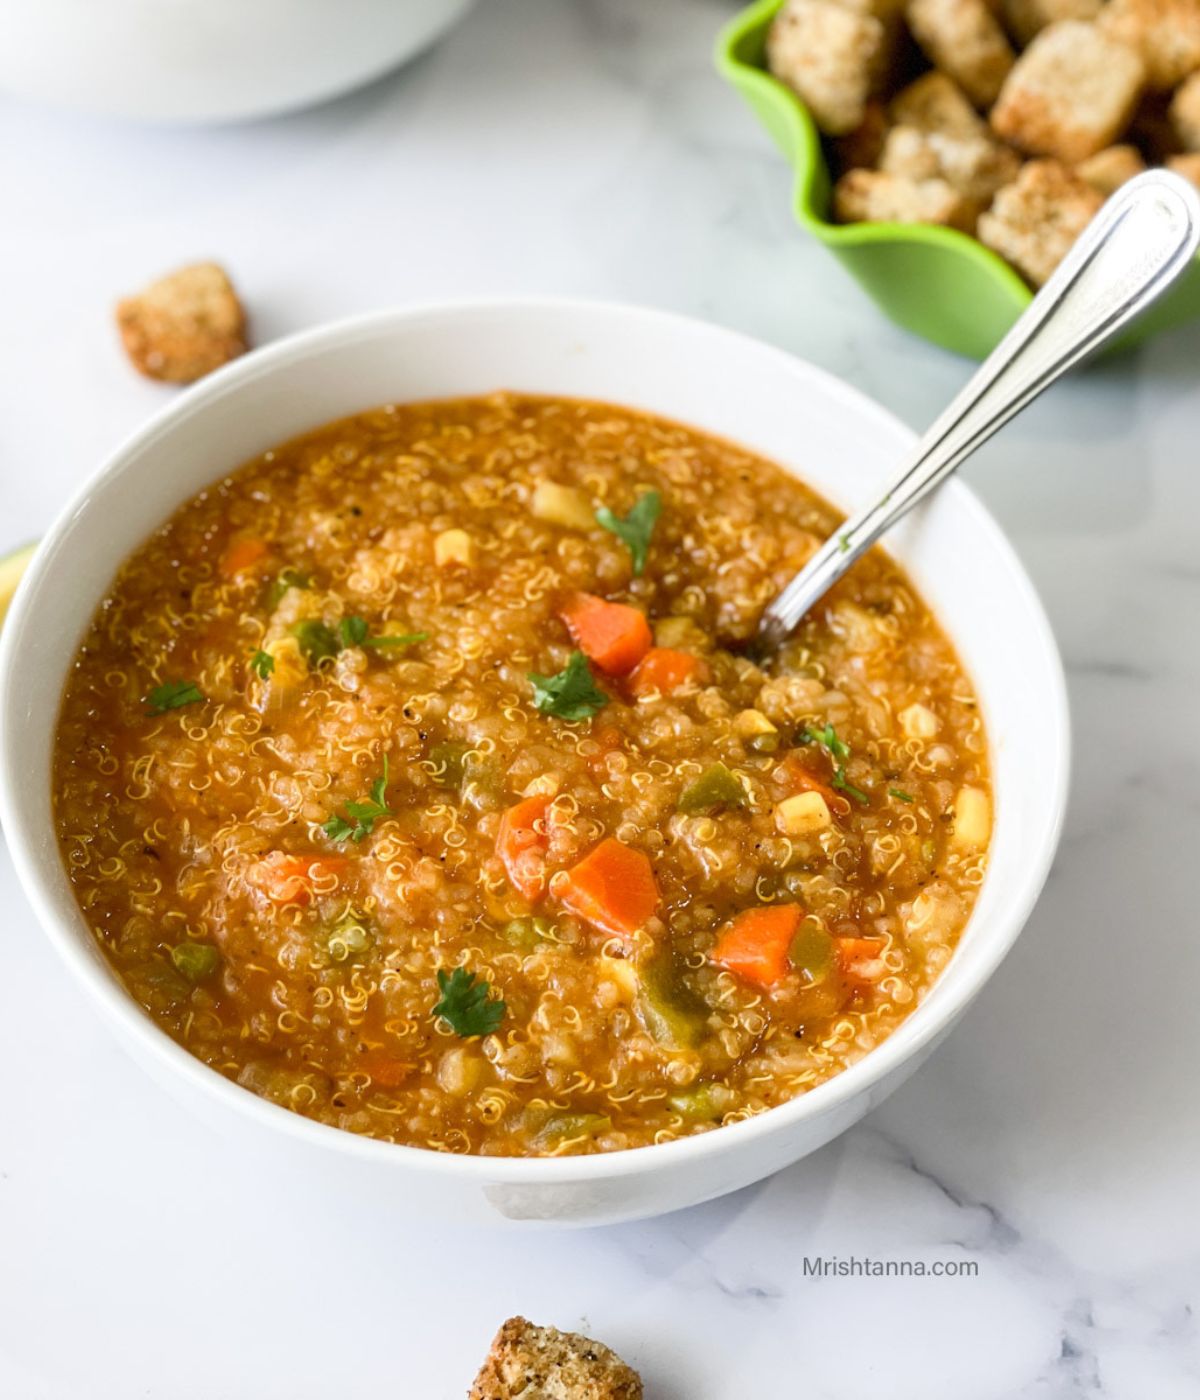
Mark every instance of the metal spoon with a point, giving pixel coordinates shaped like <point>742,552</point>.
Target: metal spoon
<point>1131,252</point>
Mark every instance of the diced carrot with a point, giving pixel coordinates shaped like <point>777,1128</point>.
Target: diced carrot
<point>664,670</point>
<point>613,635</point>
<point>755,944</point>
<point>385,1070</point>
<point>241,554</point>
<point>288,879</point>
<point>613,888</point>
<point>802,779</point>
<point>522,842</point>
<point>860,958</point>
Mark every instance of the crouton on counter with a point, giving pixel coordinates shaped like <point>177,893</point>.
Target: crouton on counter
<point>541,1363</point>
<point>183,326</point>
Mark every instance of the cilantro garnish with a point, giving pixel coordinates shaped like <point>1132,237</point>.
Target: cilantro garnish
<point>840,783</point>
<point>572,694</point>
<point>262,663</point>
<point>464,1003</point>
<point>365,814</point>
<point>173,695</point>
<point>354,633</point>
<point>828,740</point>
<point>316,641</point>
<point>636,527</point>
<point>902,796</point>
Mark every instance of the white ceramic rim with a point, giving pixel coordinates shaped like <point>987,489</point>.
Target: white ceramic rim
<point>926,1022</point>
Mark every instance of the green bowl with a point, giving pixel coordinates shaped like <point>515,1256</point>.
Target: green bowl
<point>936,282</point>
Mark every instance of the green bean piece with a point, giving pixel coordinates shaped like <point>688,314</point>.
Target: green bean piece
<point>811,953</point>
<point>195,961</point>
<point>449,761</point>
<point>715,787</point>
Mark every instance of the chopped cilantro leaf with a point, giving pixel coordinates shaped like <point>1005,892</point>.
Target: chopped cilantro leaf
<point>572,694</point>
<point>464,1003</point>
<point>365,814</point>
<point>285,579</point>
<point>317,642</point>
<point>262,663</point>
<point>173,695</point>
<point>901,795</point>
<point>353,631</point>
<point>636,527</point>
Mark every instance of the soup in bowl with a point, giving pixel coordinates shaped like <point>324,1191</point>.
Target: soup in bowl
<point>419,786</point>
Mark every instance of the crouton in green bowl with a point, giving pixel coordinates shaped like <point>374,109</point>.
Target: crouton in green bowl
<point>931,278</point>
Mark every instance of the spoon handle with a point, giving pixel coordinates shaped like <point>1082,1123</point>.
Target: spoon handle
<point>1130,253</point>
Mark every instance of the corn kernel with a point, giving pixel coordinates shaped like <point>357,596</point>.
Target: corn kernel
<point>919,722</point>
<point>803,814</point>
<point>453,547</point>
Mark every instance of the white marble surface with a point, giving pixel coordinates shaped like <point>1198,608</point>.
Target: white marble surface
<point>584,146</point>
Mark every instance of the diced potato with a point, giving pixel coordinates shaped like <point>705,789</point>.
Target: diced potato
<point>972,819</point>
<point>753,725</point>
<point>623,973</point>
<point>919,722</point>
<point>459,1070</point>
<point>803,814</point>
<point>453,547</point>
<point>562,505</point>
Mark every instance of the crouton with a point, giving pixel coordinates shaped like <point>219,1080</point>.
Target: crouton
<point>1025,18</point>
<point>862,146</point>
<point>964,39</point>
<point>183,326</point>
<point>541,1363</point>
<point>1033,222</point>
<point>937,103</point>
<point>874,196</point>
<point>1108,170</point>
<point>830,57</point>
<point>1188,166</point>
<point>1071,93</point>
<point>1166,33</point>
<point>976,167</point>
<point>1185,114</point>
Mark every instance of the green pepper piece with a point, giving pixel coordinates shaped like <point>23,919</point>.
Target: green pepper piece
<point>529,932</point>
<point>562,1127</point>
<point>715,787</point>
<point>811,953</point>
<point>449,763</point>
<point>195,960</point>
<point>285,579</point>
<point>703,1103</point>
<point>317,642</point>
<point>159,986</point>
<point>673,1014</point>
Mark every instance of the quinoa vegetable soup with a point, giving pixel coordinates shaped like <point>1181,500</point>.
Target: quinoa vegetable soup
<point>420,776</point>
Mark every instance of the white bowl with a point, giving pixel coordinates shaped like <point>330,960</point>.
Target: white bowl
<point>829,434</point>
<point>208,60</point>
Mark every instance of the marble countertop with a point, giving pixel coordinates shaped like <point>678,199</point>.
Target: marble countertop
<point>586,147</point>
